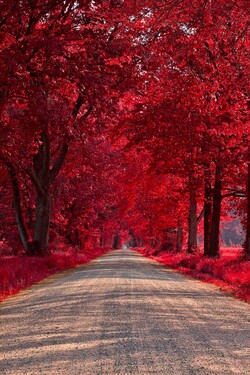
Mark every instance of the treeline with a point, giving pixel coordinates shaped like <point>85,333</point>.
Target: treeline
<point>125,117</point>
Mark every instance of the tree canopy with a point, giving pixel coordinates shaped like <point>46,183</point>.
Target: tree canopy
<point>124,119</point>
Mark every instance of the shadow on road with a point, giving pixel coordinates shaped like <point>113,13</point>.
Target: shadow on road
<point>123,315</point>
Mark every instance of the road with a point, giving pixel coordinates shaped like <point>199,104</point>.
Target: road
<point>124,314</point>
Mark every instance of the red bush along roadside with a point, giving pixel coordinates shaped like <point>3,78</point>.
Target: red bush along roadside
<point>19,272</point>
<point>230,273</point>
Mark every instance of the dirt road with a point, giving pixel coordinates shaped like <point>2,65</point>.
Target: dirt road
<point>123,314</point>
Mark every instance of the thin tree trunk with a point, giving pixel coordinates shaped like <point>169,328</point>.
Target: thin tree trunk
<point>208,201</point>
<point>192,219</point>
<point>116,241</point>
<point>215,225</point>
<point>17,206</point>
<point>247,241</point>
<point>179,236</point>
<point>101,242</point>
<point>138,241</point>
<point>133,239</point>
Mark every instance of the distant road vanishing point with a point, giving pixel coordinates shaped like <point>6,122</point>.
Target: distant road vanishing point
<point>124,314</point>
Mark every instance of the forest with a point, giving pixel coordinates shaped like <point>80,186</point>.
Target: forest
<point>123,123</point>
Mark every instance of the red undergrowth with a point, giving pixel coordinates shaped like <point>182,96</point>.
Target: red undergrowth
<point>19,272</point>
<point>229,272</point>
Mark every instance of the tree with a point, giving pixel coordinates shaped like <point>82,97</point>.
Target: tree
<point>55,78</point>
<point>165,84</point>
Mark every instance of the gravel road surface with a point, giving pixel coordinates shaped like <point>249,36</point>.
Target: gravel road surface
<point>124,314</point>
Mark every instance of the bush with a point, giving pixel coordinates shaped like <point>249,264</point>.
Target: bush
<point>18,272</point>
<point>228,271</point>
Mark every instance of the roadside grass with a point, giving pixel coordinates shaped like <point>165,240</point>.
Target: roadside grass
<point>229,272</point>
<point>20,271</point>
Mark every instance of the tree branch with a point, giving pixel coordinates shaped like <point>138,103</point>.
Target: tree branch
<point>234,194</point>
<point>59,162</point>
<point>87,113</point>
<point>210,54</point>
<point>65,146</point>
<point>32,175</point>
<point>77,106</point>
<point>17,205</point>
<point>200,217</point>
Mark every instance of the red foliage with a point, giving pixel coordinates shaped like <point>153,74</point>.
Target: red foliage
<point>114,116</point>
<point>19,272</point>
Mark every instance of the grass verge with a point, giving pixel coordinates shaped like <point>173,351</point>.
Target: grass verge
<point>229,272</point>
<point>20,272</point>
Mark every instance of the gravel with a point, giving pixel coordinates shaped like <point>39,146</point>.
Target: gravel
<point>124,314</point>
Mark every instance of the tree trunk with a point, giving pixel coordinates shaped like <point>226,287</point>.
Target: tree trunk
<point>208,200</point>
<point>247,241</point>
<point>139,242</point>
<point>133,242</point>
<point>17,207</point>
<point>42,179</point>
<point>41,230</point>
<point>116,241</point>
<point>215,225</point>
<point>179,236</point>
<point>42,176</point>
<point>192,219</point>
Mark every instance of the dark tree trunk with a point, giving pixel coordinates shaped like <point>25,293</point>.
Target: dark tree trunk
<point>215,225</point>
<point>17,207</point>
<point>179,236</point>
<point>208,201</point>
<point>41,230</point>
<point>133,242</point>
<point>116,241</point>
<point>139,242</point>
<point>192,219</point>
<point>42,177</point>
<point>247,241</point>
<point>72,233</point>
